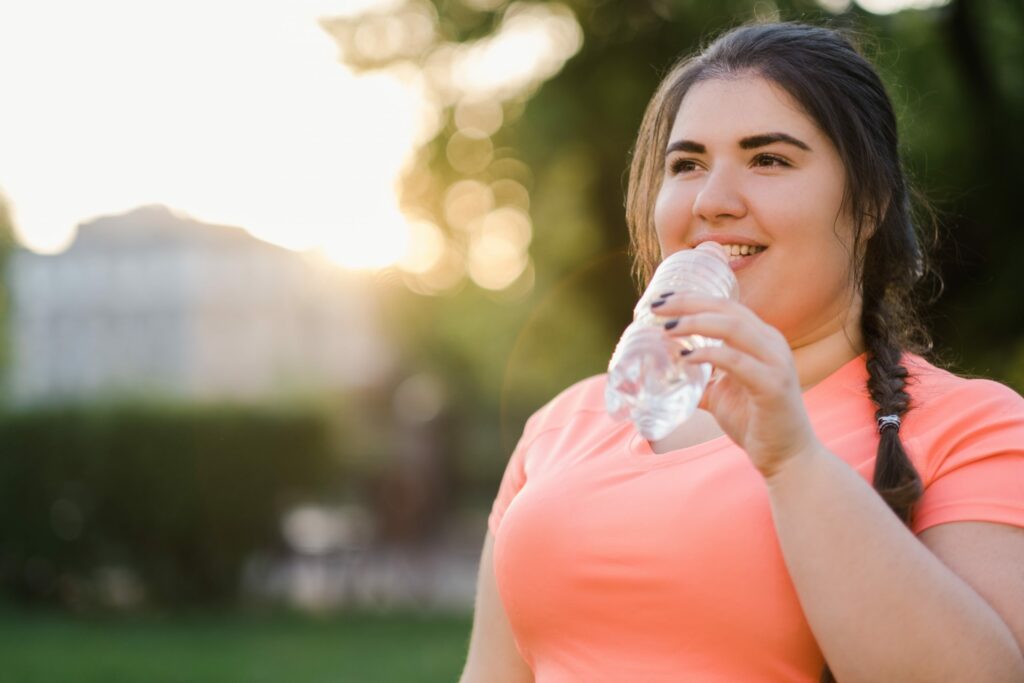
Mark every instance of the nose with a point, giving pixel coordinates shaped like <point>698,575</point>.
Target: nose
<point>720,197</point>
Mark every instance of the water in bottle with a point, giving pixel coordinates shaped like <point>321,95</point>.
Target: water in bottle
<point>648,381</point>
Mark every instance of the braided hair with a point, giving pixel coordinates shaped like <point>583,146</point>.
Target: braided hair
<point>842,93</point>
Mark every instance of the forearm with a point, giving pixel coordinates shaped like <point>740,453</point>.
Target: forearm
<point>881,606</point>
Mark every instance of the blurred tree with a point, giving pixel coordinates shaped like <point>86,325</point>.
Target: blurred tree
<point>954,73</point>
<point>982,316</point>
<point>179,497</point>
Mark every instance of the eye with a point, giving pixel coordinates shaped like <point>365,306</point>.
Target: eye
<point>765,160</point>
<point>682,165</point>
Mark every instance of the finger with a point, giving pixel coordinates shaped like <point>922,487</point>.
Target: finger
<point>685,304</point>
<point>759,378</point>
<point>754,338</point>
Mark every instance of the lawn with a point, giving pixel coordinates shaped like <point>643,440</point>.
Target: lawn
<point>38,648</point>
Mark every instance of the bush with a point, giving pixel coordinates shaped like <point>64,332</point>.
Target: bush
<point>179,497</point>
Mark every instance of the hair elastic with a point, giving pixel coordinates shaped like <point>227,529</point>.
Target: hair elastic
<point>889,421</point>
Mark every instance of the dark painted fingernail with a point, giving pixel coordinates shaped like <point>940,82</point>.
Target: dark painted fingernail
<point>686,352</point>
<point>671,323</point>
<point>657,303</point>
<point>663,295</point>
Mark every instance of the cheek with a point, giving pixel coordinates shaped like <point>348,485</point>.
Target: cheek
<point>672,213</point>
<point>802,219</point>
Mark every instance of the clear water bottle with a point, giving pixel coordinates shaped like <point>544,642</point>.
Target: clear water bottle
<point>648,381</point>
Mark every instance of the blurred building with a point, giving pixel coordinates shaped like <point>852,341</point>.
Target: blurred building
<point>151,302</point>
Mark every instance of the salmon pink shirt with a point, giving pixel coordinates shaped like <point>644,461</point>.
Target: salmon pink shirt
<point>619,565</point>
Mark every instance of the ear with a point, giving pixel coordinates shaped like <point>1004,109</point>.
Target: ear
<point>876,215</point>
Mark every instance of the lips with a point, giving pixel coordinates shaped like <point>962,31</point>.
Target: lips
<point>741,261</point>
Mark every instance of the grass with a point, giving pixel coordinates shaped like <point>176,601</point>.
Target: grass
<point>47,648</point>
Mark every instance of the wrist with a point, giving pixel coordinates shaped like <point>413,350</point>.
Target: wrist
<point>795,463</point>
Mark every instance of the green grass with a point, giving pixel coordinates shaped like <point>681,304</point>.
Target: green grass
<point>38,648</point>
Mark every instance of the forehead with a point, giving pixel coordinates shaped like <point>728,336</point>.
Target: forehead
<point>734,107</point>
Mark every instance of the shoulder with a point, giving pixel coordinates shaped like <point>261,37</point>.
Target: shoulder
<point>956,420</point>
<point>570,418</point>
<point>582,398</point>
<point>939,395</point>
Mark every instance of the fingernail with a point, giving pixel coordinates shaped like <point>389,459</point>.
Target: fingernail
<point>671,323</point>
<point>657,303</point>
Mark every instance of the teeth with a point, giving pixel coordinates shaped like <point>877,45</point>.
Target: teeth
<point>742,249</point>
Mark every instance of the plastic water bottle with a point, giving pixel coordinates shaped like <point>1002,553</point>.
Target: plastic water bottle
<point>648,381</point>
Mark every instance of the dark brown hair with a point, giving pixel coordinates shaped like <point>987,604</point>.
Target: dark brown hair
<point>842,93</point>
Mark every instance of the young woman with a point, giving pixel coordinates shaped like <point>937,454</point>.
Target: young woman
<point>749,545</point>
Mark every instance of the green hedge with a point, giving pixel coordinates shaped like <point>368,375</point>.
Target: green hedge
<point>179,496</point>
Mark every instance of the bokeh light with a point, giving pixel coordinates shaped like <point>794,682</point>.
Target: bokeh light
<point>485,116</point>
<point>426,247</point>
<point>893,6</point>
<point>530,46</point>
<point>470,151</point>
<point>512,193</point>
<point>465,201</point>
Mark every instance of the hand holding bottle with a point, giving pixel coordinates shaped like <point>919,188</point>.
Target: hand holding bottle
<point>756,396</point>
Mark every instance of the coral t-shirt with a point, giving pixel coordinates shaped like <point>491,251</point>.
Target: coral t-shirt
<point>618,564</point>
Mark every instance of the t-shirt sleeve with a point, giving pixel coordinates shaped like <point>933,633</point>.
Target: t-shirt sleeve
<point>976,458</point>
<point>513,479</point>
<point>585,396</point>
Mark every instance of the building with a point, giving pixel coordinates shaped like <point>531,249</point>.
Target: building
<point>154,303</point>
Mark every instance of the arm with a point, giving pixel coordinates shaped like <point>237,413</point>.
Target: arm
<point>881,605</point>
<point>493,655</point>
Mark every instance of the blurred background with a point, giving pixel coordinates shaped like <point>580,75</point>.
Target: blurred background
<point>282,281</point>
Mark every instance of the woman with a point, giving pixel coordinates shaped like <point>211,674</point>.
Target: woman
<point>749,545</point>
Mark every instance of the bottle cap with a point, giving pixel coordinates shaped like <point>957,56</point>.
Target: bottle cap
<point>715,248</point>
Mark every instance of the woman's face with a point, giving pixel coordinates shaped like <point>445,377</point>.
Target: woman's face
<point>746,166</point>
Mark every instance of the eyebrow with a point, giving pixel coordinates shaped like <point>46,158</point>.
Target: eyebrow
<point>751,142</point>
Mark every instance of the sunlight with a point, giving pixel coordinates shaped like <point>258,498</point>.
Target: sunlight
<point>532,44</point>
<point>893,6</point>
<point>882,6</point>
<point>234,113</point>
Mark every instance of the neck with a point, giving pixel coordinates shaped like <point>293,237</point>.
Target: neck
<point>821,354</point>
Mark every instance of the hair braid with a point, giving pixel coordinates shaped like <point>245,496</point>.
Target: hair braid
<point>896,479</point>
